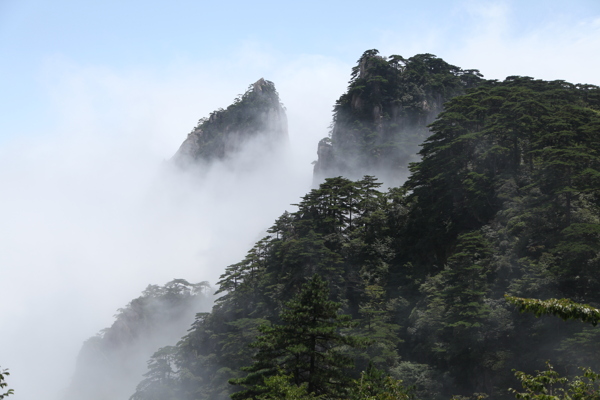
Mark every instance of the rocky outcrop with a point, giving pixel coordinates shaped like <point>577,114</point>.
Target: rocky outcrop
<point>382,119</point>
<point>258,114</point>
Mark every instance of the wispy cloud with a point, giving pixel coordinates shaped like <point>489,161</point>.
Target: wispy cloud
<point>492,37</point>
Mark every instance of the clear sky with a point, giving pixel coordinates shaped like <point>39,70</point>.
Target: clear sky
<point>45,44</point>
<point>95,94</point>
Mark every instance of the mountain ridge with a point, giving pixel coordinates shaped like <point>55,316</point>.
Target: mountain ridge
<point>502,198</point>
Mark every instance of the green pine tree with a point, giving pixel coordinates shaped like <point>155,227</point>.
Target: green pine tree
<point>308,344</point>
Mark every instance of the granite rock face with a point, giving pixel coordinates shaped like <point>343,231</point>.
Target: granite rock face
<point>258,114</point>
<point>382,119</point>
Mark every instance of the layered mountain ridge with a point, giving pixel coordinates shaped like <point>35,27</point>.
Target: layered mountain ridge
<point>502,198</point>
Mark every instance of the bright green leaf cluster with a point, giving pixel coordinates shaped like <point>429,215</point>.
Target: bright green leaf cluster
<point>549,385</point>
<point>563,308</point>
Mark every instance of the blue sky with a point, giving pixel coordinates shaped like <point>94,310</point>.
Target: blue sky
<point>44,45</point>
<point>94,95</point>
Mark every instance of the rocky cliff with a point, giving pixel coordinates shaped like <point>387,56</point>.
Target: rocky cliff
<point>380,121</point>
<point>257,114</point>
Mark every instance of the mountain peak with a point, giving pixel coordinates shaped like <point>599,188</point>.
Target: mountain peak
<point>258,113</point>
<point>381,120</point>
<point>259,84</point>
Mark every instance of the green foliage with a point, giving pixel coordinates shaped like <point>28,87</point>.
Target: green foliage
<point>563,308</point>
<point>375,384</point>
<point>3,374</point>
<point>503,200</point>
<point>532,134</point>
<point>549,385</point>
<point>160,381</point>
<point>377,323</point>
<point>456,323</point>
<point>466,282</point>
<point>307,344</point>
<point>279,386</point>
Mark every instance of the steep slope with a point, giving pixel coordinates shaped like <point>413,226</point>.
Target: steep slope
<point>110,364</point>
<point>380,121</point>
<point>256,115</point>
<point>504,200</point>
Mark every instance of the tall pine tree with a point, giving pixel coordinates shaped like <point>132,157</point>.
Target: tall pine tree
<point>308,345</point>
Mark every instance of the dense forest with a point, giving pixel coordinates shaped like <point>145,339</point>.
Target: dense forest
<point>371,293</point>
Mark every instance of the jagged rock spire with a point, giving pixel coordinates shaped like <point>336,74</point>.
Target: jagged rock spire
<point>258,113</point>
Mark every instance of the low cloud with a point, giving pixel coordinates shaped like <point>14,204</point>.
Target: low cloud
<point>91,216</point>
<point>92,213</point>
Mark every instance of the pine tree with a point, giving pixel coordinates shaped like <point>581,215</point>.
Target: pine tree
<point>308,345</point>
<point>161,379</point>
<point>375,384</point>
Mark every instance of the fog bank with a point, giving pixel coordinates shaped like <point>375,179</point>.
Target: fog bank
<point>92,215</point>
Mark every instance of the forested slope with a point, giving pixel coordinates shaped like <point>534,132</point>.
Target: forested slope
<point>504,200</point>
